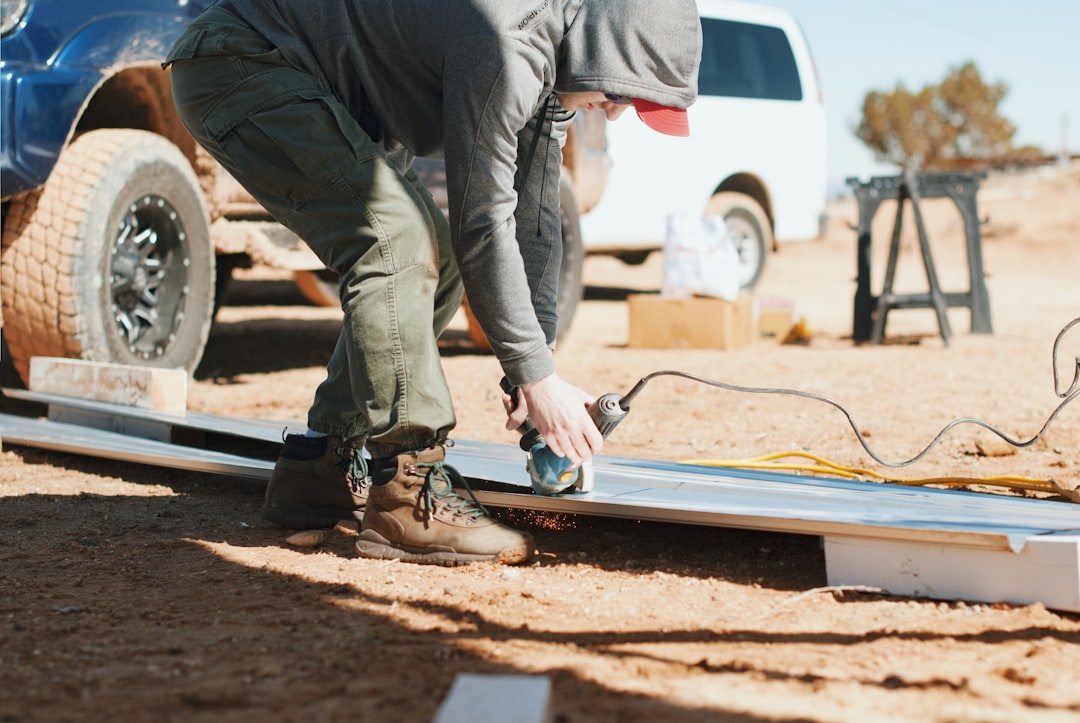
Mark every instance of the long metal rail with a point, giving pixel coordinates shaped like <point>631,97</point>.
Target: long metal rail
<point>905,540</point>
<point>625,487</point>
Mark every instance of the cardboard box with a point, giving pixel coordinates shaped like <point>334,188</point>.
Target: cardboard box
<point>776,317</point>
<point>699,322</point>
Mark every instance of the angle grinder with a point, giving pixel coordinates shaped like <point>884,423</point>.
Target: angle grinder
<point>551,474</point>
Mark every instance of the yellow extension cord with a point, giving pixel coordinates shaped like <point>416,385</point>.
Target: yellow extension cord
<point>824,466</point>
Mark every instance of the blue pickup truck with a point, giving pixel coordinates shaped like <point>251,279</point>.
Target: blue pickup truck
<point>119,232</point>
<point>106,250</point>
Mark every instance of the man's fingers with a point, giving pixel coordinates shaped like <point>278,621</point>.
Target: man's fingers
<point>591,442</point>
<point>515,419</point>
<point>515,415</point>
<point>594,438</point>
<point>559,411</point>
<point>579,446</point>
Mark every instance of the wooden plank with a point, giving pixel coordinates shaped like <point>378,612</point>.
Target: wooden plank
<point>1046,570</point>
<point>496,699</point>
<point>143,387</point>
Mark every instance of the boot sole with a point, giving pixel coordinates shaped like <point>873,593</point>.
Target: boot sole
<point>374,546</point>
<point>307,519</point>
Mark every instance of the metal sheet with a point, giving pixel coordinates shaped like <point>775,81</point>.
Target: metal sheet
<point>754,499</point>
<point>267,430</point>
<point>668,491</point>
<point>110,445</point>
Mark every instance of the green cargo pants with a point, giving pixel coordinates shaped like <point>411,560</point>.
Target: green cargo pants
<point>297,150</point>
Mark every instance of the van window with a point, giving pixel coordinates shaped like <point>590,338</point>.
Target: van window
<point>743,60</point>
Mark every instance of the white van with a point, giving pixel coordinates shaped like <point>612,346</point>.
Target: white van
<point>756,151</point>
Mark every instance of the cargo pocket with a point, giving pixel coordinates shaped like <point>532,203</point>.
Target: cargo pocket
<point>186,46</point>
<point>290,146</point>
<point>218,33</point>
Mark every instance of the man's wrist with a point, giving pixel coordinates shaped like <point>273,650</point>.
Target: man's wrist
<point>532,371</point>
<point>529,386</point>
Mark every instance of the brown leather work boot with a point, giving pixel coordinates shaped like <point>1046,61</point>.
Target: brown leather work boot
<point>316,482</point>
<point>417,516</point>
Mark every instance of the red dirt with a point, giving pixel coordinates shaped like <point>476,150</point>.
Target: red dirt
<point>138,593</point>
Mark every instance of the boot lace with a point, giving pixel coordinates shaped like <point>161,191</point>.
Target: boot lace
<point>439,481</point>
<point>354,466</point>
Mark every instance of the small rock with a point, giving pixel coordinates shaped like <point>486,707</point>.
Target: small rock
<point>307,538</point>
<point>347,527</point>
<point>994,447</point>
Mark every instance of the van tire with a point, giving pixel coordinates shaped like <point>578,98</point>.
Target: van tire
<point>111,260</point>
<point>571,272</point>
<point>749,227</point>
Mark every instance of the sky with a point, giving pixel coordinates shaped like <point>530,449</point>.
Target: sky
<point>1032,46</point>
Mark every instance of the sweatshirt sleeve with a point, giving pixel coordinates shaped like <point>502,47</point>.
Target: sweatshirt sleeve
<point>491,96</point>
<point>538,215</point>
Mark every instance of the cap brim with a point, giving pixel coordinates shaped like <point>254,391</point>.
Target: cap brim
<point>662,118</point>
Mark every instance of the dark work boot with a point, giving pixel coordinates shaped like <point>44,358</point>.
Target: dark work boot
<point>317,482</point>
<point>417,516</point>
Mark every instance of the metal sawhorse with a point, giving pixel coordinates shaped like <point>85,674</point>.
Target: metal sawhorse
<point>871,311</point>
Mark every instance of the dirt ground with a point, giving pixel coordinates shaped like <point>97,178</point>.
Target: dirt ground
<point>136,593</point>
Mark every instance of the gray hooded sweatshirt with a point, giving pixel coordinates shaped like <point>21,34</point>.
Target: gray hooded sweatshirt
<point>468,81</point>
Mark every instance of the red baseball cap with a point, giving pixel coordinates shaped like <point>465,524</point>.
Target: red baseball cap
<point>662,118</point>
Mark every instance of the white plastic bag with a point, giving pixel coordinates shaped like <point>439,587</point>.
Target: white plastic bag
<point>700,258</point>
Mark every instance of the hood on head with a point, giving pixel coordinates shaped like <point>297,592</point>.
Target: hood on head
<point>648,49</point>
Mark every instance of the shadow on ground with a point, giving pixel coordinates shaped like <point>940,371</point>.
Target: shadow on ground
<point>122,610</point>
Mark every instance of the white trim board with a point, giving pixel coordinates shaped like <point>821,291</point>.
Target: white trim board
<point>1045,571</point>
<point>906,540</point>
<point>475,698</point>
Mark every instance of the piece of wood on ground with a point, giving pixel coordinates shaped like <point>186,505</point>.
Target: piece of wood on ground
<point>143,387</point>
<point>349,528</point>
<point>496,699</point>
<point>306,538</point>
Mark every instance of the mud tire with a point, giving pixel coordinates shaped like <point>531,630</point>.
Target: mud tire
<point>111,260</point>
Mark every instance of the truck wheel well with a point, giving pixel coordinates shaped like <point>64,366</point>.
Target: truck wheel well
<point>141,98</point>
<point>751,186</point>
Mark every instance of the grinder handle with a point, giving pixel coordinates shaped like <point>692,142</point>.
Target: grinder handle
<point>530,436</point>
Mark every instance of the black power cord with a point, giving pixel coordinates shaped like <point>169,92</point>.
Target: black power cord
<point>1067,396</point>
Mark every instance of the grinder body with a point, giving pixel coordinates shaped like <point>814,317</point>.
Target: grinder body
<point>551,474</point>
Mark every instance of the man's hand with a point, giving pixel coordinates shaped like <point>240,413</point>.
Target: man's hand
<point>517,410</point>
<point>559,412</point>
